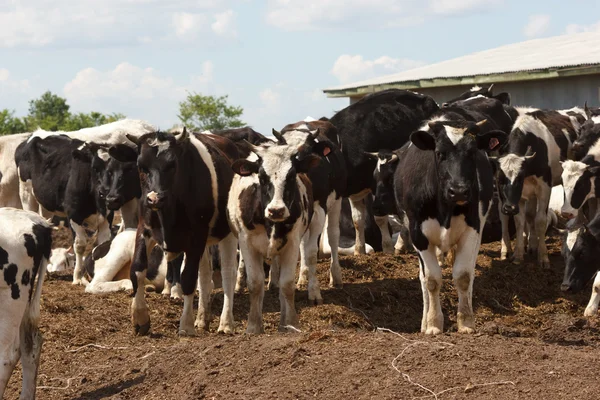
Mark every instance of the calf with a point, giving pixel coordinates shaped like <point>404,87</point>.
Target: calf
<point>444,183</point>
<point>328,181</point>
<point>581,249</point>
<point>109,265</point>
<point>185,183</point>
<point>270,211</point>
<point>382,120</point>
<point>60,172</point>
<point>25,242</point>
<point>527,172</point>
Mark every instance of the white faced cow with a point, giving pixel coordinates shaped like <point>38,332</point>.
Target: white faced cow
<point>444,184</point>
<point>25,242</point>
<point>270,210</point>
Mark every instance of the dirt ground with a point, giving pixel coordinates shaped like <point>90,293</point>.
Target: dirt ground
<point>532,341</point>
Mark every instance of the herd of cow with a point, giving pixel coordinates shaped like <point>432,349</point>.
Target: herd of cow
<point>190,200</point>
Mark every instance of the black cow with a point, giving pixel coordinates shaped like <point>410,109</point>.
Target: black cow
<point>60,171</point>
<point>581,249</point>
<point>185,183</point>
<point>382,120</point>
<point>245,134</point>
<point>478,91</point>
<point>444,183</point>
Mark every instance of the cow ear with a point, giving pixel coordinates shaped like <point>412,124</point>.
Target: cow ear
<point>503,97</point>
<point>123,153</point>
<point>133,139</point>
<point>245,167</point>
<point>321,148</point>
<point>588,113</point>
<point>423,140</point>
<point>307,163</point>
<point>82,155</point>
<point>492,140</point>
<point>595,171</point>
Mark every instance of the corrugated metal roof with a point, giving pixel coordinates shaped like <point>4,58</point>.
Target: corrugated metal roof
<point>556,52</point>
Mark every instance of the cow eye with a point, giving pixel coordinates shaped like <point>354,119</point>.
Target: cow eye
<point>439,155</point>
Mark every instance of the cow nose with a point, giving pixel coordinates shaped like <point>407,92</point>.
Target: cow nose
<point>567,214</point>
<point>112,202</point>
<point>458,193</point>
<point>276,213</point>
<point>154,199</point>
<point>565,287</point>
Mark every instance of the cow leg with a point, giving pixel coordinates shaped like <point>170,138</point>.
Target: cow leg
<point>274,273</point>
<point>129,215</point>
<point>256,285</point>
<point>308,255</point>
<point>592,307</point>
<point>28,200</point>
<point>463,273</point>
<point>530,216</point>
<point>140,316</point>
<point>287,261</point>
<point>333,234</point>
<point>104,234</point>
<point>359,216</point>
<point>31,348</point>
<point>386,239</point>
<point>505,242</point>
<point>433,283</point>
<point>176,291</point>
<point>79,245</point>
<point>519,238</point>
<point>541,219</point>
<point>10,351</point>
<point>403,243</point>
<point>424,293</point>
<point>228,250</point>
<point>240,282</point>
<point>204,278</point>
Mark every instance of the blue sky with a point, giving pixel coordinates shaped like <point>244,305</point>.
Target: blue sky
<point>139,57</point>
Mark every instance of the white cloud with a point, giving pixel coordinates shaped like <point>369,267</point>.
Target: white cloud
<point>576,28</point>
<point>537,25</point>
<point>461,6</point>
<point>270,98</point>
<point>135,91</point>
<point>224,24</point>
<point>109,22</point>
<point>352,68</point>
<point>8,83</point>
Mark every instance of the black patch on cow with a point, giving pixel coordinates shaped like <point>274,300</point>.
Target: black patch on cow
<point>29,244</point>
<point>250,206</point>
<point>3,257</point>
<point>43,238</point>
<point>10,274</point>
<point>15,292</point>
<point>25,278</point>
<point>0,176</point>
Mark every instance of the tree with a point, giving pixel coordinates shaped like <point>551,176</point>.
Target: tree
<point>49,112</point>
<point>201,113</point>
<point>10,124</point>
<point>82,120</point>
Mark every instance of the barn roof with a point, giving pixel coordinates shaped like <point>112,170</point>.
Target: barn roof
<point>566,55</point>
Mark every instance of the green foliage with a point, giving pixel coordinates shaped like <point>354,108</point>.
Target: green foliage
<point>201,113</point>
<point>51,112</point>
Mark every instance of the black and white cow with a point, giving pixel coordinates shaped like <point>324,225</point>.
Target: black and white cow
<point>185,183</point>
<point>589,136</point>
<point>444,183</point>
<point>270,210</point>
<point>581,250</point>
<point>382,120</point>
<point>328,181</point>
<point>478,91</point>
<point>527,171</point>
<point>60,172</point>
<point>25,242</point>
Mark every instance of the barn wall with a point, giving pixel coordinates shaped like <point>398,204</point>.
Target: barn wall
<point>549,93</point>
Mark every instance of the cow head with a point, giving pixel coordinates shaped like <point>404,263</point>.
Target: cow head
<point>477,91</point>
<point>582,261</point>
<point>579,180</point>
<point>512,169</point>
<point>277,167</point>
<point>116,173</point>
<point>588,136</point>
<point>456,144</point>
<point>158,165</point>
<point>384,202</point>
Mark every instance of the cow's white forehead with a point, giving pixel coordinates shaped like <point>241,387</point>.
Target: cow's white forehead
<point>296,138</point>
<point>511,165</point>
<point>571,166</point>
<point>425,126</point>
<point>572,238</point>
<point>475,88</point>
<point>454,134</point>
<point>103,154</point>
<point>161,145</point>
<point>572,171</point>
<point>277,160</point>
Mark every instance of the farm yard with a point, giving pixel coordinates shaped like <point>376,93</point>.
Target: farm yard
<point>531,341</point>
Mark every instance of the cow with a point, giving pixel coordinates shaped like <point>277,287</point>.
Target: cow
<point>270,210</point>
<point>328,181</point>
<point>589,136</point>
<point>25,242</point>
<point>478,91</point>
<point>60,172</point>
<point>444,183</point>
<point>109,265</point>
<point>9,177</point>
<point>581,250</point>
<point>238,135</point>
<point>382,120</point>
<point>185,182</point>
<point>527,171</point>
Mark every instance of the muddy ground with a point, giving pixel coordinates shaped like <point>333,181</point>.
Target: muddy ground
<point>532,341</point>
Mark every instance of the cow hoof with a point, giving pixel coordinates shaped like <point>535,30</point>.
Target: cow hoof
<point>201,325</point>
<point>176,293</point>
<point>148,288</point>
<point>517,261</point>
<point>433,331</point>
<point>238,289</point>
<point>544,264</point>
<point>80,282</point>
<point>504,257</point>
<point>316,302</point>
<point>254,330</point>
<point>186,332</point>
<point>225,330</point>
<point>336,285</point>
<point>142,330</point>
<point>399,252</point>
<point>590,312</point>
<point>466,329</point>
<point>272,287</point>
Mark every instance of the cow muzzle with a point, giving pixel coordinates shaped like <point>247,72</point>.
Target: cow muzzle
<point>459,194</point>
<point>277,214</point>
<point>113,202</point>
<point>155,200</point>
